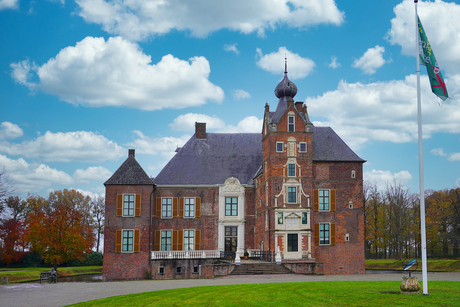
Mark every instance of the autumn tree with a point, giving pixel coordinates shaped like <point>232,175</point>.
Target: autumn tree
<point>60,227</point>
<point>98,212</point>
<point>12,230</point>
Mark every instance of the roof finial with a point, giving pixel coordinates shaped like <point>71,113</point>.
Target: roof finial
<point>285,63</point>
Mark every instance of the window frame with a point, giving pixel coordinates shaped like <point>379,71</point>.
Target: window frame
<point>127,242</point>
<point>292,195</point>
<point>279,147</point>
<point>280,218</point>
<point>165,235</point>
<point>293,248</point>
<point>291,170</point>
<point>189,240</point>
<point>233,210</point>
<point>302,144</point>
<point>129,205</point>
<point>291,123</point>
<point>322,204</point>
<point>324,234</point>
<point>168,206</point>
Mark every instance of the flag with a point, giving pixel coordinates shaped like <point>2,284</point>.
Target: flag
<point>428,59</point>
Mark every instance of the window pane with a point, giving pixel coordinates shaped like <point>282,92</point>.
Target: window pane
<point>189,210</point>
<point>303,147</point>
<point>279,147</point>
<point>323,199</point>
<point>293,245</point>
<point>292,194</point>
<point>189,240</point>
<point>166,207</point>
<point>280,218</point>
<point>128,238</point>
<point>231,206</point>
<point>323,233</point>
<point>291,170</point>
<point>166,238</point>
<point>304,218</point>
<point>128,204</point>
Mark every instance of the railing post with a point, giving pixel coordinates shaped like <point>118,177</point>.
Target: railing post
<point>237,258</point>
<point>278,255</point>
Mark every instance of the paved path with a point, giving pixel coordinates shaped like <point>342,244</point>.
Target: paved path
<point>61,294</point>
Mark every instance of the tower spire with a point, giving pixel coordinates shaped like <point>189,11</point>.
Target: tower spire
<point>285,63</point>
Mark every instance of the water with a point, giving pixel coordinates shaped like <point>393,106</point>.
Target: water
<point>79,278</point>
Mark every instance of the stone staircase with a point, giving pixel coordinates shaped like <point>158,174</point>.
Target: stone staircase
<point>259,268</point>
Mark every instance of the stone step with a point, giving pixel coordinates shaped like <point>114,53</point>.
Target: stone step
<point>260,269</point>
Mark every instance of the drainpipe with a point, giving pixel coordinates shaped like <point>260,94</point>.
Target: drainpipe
<point>150,225</point>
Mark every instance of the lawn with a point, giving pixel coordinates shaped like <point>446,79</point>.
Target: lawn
<point>338,293</point>
<point>16,275</point>
<point>444,265</point>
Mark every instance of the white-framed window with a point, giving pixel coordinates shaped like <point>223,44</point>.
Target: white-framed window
<point>324,234</point>
<point>302,147</point>
<point>291,123</point>
<point>231,206</point>
<point>279,146</point>
<point>166,240</point>
<point>293,242</point>
<point>291,170</point>
<point>304,218</point>
<point>189,207</point>
<point>161,270</point>
<point>292,194</point>
<point>127,243</point>
<point>128,204</point>
<point>324,200</point>
<point>280,218</point>
<point>166,207</point>
<point>353,174</point>
<point>347,237</point>
<point>189,240</point>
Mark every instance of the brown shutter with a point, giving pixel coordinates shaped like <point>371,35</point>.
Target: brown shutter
<point>118,241</point>
<point>181,206</point>
<point>119,205</point>
<point>137,205</point>
<point>315,200</point>
<point>175,211</point>
<point>197,240</point>
<point>333,233</point>
<point>180,240</point>
<point>158,207</point>
<point>316,234</point>
<point>197,206</point>
<point>137,240</point>
<point>175,235</point>
<point>156,246</point>
<point>333,200</point>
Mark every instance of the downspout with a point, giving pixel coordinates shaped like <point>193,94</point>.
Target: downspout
<point>150,225</point>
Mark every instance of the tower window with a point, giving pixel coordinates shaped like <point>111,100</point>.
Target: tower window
<point>279,146</point>
<point>292,194</point>
<point>291,123</point>
<point>302,147</point>
<point>291,170</point>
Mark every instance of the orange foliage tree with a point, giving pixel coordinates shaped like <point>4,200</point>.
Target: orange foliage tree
<point>59,228</point>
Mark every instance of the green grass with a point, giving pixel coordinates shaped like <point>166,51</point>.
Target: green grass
<point>17,275</point>
<point>447,265</point>
<point>336,293</point>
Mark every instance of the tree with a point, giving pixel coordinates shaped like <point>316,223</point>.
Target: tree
<point>59,229</point>
<point>12,230</point>
<point>98,210</point>
<point>5,189</point>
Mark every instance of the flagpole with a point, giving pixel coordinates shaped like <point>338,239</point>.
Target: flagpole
<point>420,160</point>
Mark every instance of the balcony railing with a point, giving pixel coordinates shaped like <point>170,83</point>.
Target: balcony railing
<point>203,254</point>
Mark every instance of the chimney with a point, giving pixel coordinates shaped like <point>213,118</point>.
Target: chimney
<point>267,107</point>
<point>200,130</point>
<point>298,105</point>
<point>131,153</point>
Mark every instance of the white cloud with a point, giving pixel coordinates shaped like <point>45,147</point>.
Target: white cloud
<point>30,178</point>
<point>232,48</point>
<point>92,173</point>
<point>298,67</point>
<point>334,63</point>
<point>454,157</point>
<point>438,152</point>
<point>384,178</point>
<point>116,72</point>
<point>8,4</point>
<point>250,124</point>
<point>21,72</point>
<point>442,25</point>
<point>385,111</point>
<point>240,94</point>
<point>186,122</point>
<point>71,146</point>
<point>371,60</point>
<point>10,131</point>
<point>91,194</point>
<point>140,19</point>
<point>164,146</point>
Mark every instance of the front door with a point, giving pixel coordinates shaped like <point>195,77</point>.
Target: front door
<point>231,239</point>
<point>293,242</point>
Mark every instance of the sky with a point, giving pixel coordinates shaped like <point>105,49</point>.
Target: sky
<point>83,81</point>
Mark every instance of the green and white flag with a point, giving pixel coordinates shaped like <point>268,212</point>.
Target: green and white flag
<point>428,59</point>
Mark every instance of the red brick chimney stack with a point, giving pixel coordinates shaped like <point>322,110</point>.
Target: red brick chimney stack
<point>200,130</point>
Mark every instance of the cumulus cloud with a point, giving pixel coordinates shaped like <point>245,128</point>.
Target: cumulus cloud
<point>140,19</point>
<point>232,48</point>
<point>116,72</point>
<point>10,131</point>
<point>385,111</point>
<point>371,60</point>
<point>298,67</point>
<point>250,124</point>
<point>164,146</point>
<point>8,4</point>
<point>27,177</point>
<point>438,152</point>
<point>384,178</point>
<point>334,63</point>
<point>92,173</point>
<point>240,94</point>
<point>80,146</point>
<point>443,35</point>
<point>186,122</point>
<point>454,157</point>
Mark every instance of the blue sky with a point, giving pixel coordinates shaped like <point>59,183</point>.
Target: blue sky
<point>82,81</point>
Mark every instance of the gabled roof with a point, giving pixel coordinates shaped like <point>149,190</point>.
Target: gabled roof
<point>130,173</point>
<point>212,160</point>
<point>328,146</point>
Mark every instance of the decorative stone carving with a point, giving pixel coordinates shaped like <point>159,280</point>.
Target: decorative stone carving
<point>410,285</point>
<point>232,185</point>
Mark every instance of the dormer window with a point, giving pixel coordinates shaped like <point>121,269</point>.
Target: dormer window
<point>291,123</point>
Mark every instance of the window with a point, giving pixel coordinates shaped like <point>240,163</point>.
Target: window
<point>279,146</point>
<point>189,207</point>
<point>231,236</point>
<point>127,241</point>
<point>293,243</point>
<point>292,194</point>
<point>303,147</point>
<point>353,174</point>
<point>347,237</point>
<point>323,200</point>
<point>324,233</point>
<point>280,218</point>
<point>291,123</point>
<point>178,270</point>
<point>189,240</point>
<point>291,170</point>
<point>166,207</point>
<point>231,206</point>
<point>128,205</point>
<point>196,269</point>
<point>304,218</point>
<point>161,270</point>
<point>166,238</point>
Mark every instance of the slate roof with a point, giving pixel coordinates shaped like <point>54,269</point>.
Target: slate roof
<point>130,172</point>
<point>212,160</point>
<point>328,146</point>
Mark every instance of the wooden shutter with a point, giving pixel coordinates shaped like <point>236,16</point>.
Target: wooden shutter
<point>198,207</point>
<point>118,241</point>
<point>157,243</point>
<point>333,200</point>
<point>175,211</point>
<point>137,205</point>
<point>158,207</point>
<point>316,234</point>
<point>333,236</point>
<point>119,205</point>
<point>315,200</point>
<point>175,240</point>
<point>180,240</point>
<point>181,206</point>
<point>137,241</point>
<point>197,240</point>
